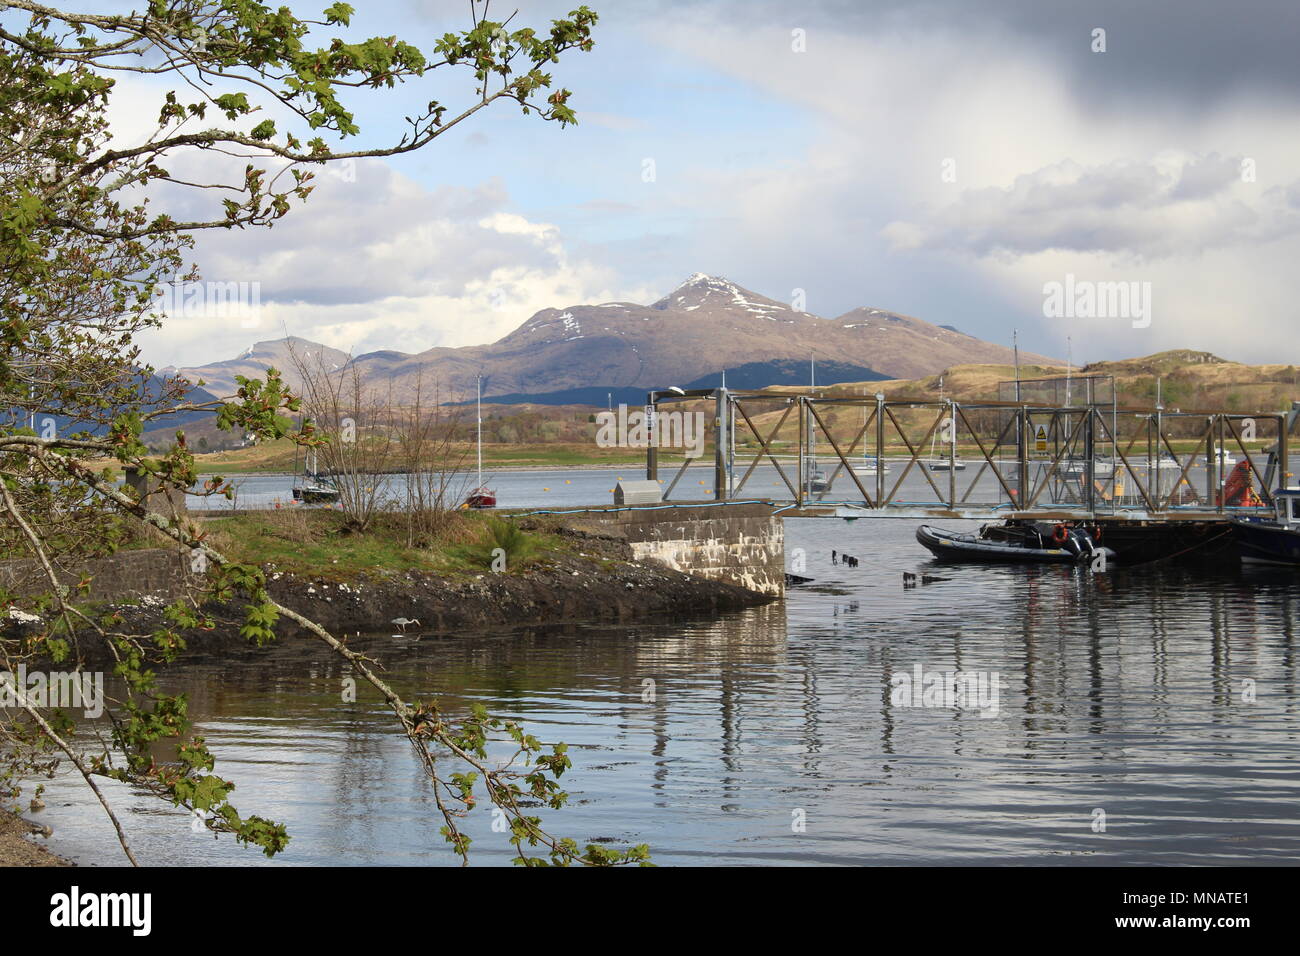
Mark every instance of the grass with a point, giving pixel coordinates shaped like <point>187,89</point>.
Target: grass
<point>504,545</point>
<point>318,542</point>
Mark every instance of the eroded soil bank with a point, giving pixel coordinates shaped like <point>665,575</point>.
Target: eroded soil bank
<point>17,850</point>
<point>593,580</point>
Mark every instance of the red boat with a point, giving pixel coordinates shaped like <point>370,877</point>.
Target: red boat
<point>481,497</point>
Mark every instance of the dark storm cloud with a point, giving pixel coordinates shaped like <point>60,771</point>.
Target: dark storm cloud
<point>1188,52</point>
<point>1135,209</point>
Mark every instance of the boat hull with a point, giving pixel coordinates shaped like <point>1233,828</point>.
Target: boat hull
<point>1261,542</point>
<point>970,549</point>
<point>315,496</point>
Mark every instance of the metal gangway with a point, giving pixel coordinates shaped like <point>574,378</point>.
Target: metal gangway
<point>1037,451</point>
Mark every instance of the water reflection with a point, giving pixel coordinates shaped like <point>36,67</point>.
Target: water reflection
<point>1125,692</point>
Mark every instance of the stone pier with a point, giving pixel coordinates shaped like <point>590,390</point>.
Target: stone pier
<point>739,544</point>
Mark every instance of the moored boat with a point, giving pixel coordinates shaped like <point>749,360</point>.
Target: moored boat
<point>870,469</point>
<point>1272,540</point>
<point>481,497</point>
<point>1025,545</point>
<point>943,464</point>
<point>1078,467</point>
<point>314,489</point>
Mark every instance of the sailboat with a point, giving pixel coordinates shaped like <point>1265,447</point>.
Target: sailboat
<point>870,467</point>
<point>311,487</point>
<point>935,463</point>
<point>817,481</point>
<point>871,464</point>
<point>482,496</point>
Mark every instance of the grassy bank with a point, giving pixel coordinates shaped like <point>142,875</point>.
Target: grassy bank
<point>351,582</point>
<point>318,541</point>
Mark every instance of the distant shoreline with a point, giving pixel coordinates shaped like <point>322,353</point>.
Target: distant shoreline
<point>523,469</point>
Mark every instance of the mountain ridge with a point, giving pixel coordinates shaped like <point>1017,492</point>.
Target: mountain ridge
<point>705,324</point>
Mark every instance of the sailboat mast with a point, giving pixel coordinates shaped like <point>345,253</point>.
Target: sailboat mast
<point>1015,348</point>
<point>1069,367</point>
<point>812,389</point>
<point>478,408</point>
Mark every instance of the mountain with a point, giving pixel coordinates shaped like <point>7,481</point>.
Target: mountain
<point>154,393</point>
<point>219,377</point>
<point>704,325</point>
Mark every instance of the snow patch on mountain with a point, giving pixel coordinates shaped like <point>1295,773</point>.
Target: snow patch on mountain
<point>701,290</point>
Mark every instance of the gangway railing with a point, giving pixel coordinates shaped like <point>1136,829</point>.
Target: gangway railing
<point>982,459</point>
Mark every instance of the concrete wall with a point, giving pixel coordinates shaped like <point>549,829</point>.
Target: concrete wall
<point>739,544</point>
<point>122,576</point>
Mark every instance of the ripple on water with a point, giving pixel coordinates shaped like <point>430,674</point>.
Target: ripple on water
<point>1121,693</point>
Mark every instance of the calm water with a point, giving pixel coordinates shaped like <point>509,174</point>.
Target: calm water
<point>543,488</point>
<point>582,487</point>
<point>1121,692</point>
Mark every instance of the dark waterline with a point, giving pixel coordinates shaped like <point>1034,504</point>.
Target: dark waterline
<point>1123,692</point>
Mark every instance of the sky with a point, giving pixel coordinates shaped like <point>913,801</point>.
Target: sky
<point>947,159</point>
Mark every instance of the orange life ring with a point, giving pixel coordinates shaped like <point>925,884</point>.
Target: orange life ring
<point>1096,533</point>
<point>1058,535</point>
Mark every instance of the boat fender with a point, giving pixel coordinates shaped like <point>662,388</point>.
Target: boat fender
<point>1096,533</point>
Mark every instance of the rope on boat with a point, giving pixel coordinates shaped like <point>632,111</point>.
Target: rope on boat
<point>1176,554</point>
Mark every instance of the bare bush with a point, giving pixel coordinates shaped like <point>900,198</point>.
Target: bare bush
<point>436,478</point>
<point>353,420</point>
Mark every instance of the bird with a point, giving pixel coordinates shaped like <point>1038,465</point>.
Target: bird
<point>909,579</point>
<point>405,622</point>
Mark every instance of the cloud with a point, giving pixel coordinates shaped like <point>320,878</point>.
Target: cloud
<point>1139,210</point>
<point>375,261</point>
<point>822,171</point>
<point>1064,164</point>
<point>1194,54</point>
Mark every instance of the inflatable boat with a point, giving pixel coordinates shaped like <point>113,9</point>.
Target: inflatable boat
<point>1018,545</point>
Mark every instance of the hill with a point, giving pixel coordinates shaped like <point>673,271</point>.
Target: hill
<point>705,325</point>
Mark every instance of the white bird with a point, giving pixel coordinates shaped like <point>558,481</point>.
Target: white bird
<point>405,622</point>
